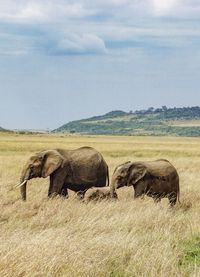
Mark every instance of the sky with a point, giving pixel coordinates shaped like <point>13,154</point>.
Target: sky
<point>63,60</point>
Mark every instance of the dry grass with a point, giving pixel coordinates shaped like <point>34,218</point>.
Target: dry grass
<point>185,123</point>
<point>59,237</point>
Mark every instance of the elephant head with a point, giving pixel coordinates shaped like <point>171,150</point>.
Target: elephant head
<point>41,164</point>
<point>127,174</point>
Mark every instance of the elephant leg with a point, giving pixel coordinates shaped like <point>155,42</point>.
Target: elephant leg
<point>50,186</point>
<point>156,196</point>
<point>138,191</point>
<point>172,198</point>
<point>56,185</point>
<point>156,199</point>
<point>64,192</point>
<point>138,194</point>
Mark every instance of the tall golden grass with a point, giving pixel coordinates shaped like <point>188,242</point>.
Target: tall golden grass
<point>57,237</point>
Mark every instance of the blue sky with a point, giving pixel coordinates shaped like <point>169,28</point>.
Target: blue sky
<point>64,60</point>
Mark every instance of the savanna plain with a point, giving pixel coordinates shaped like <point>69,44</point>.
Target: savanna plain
<point>66,237</point>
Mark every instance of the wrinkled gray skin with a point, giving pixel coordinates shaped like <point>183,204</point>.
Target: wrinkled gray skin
<point>156,179</point>
<point>77,170</point>
<point>97,194</point>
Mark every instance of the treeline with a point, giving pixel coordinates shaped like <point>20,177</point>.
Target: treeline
<point>162,113</point>
<point>176,113</point>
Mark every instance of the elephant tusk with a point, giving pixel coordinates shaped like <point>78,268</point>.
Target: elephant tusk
<point>21,184</point>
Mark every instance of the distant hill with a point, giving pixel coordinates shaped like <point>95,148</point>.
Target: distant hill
<point>157,122</point>
<point>3,130</point>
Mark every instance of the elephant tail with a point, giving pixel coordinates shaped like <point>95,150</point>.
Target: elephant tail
<point>178,192</point>
<point>178,195</point>
<point>107,177</point>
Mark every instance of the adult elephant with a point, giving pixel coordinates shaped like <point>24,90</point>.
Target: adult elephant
<point>78,170</point>
<point>156,179</point>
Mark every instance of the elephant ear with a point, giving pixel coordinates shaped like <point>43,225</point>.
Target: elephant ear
<point>52,161</point>
<point>124,165</point>
<point>136,173</point>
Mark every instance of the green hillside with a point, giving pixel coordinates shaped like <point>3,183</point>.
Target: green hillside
<point>163,121</point>
<point>2,129</point>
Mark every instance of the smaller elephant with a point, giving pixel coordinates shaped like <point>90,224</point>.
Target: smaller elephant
<point>96,194</point>
<point>157,179</point>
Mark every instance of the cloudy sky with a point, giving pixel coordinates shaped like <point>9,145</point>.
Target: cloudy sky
<point>62,60</point>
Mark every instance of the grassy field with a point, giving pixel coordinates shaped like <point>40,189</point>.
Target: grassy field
<point>57,237</point>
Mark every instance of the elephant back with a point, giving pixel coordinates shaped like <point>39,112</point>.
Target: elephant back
<point>160,168</point>
<point>87,166</point>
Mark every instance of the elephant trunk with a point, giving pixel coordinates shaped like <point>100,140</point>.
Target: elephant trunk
<point>112,190</point>
<point>23,182</point>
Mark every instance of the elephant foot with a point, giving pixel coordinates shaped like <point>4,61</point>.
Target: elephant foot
<point>81,195</point>
<point>64,193</point>
<point>53,195</point>
<point>156,200</point>
<point>172,199</point>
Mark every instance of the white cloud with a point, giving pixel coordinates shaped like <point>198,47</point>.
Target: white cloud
<point>82,26</point>
<point>52,42</point>
<point>31,11</point>
<point>77,44</point>
<point>180,9</point>
<point>164,7</point>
